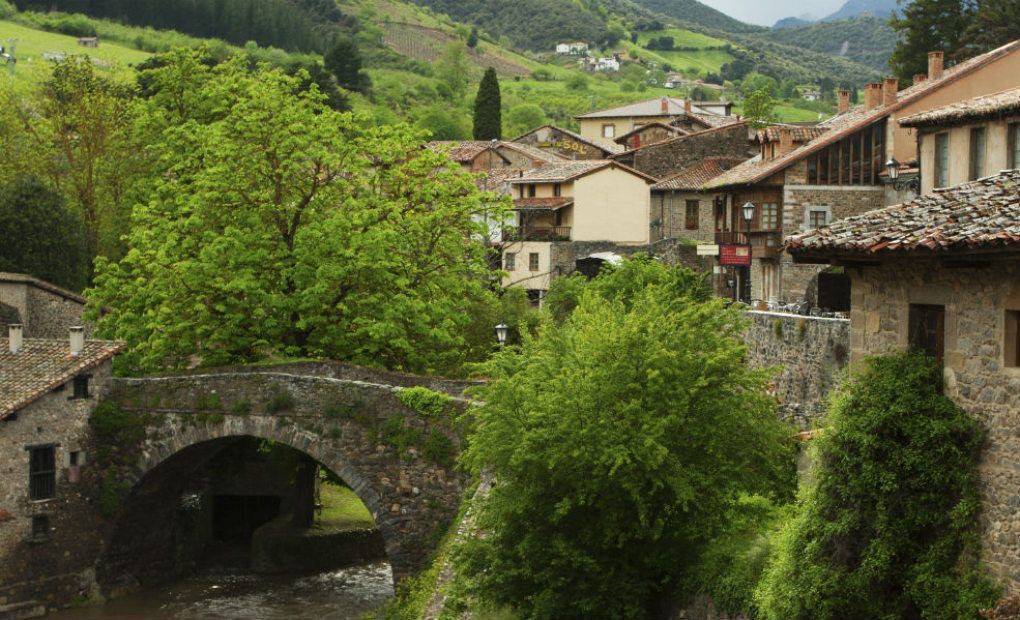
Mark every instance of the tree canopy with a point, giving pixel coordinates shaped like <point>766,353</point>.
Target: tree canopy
<point>344,61</point>
<point>277,226</point>
<point>617,440</point>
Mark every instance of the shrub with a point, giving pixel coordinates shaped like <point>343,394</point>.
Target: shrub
<point>241,407</point>
<point>112,492</point>
<point>438,448</point>
<point>425,401</point>
<point>114,426</point>
<point>209,402</point>
<point>889,529</point>
<point>7,10</point>
<point>281,401</point>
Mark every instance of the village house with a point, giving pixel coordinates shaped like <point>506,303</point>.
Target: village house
<point>941,273</point>
<point>42,309</point>
<point>48,389</point>
<point>575,48</point>
<point>680,209</point>
<point>487,155</point>
<point>662,159</point>
<point>561,210</point>
<point>568,144</point>
<point>967,140</point>
<point>843,169</point>
<point>650,133</point>
<point>615,122</point>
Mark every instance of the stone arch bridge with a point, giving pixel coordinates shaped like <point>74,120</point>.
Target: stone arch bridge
<point>398,460</point>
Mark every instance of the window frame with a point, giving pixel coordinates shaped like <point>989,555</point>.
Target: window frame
<point>812,225</point>
<point>1013,145</point>
<point>770,214</point>
<point>46,490</point>
<point>80,387</point>
<point>611,134</point>
<point>978,156</point>
<point>509,261</point>
<point>916,313</point>
<point>940,169</point>
<point>692,222</point>
<point>534,261</point>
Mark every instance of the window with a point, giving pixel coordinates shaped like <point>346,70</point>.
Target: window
<point>81,387</point>
<point>509,262</point>
<point>42,472</point>
<point>720,217</point>
<point>1012,344</point>
<point>609,131</point>
<point>535,297</point>
<point>977,153</point>
<point>74,458</point>
<point>691,217</point>
<point>40,527</point>
<point>1014,146</point>
<point>926,326</point>
<point>817,218</point>
<point>531,190</point>
<point>770,216</point>
<point>854,160</point>
<point>520,191</point>
<point>942,160</point>
<point>557,190</point>
<point>533,261</point>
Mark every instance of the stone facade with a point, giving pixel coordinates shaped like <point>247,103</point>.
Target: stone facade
<point>669,211</point>
<point>659,160</point>
<point>562,143</point>
<point>811,353</point>
<point>44,310</point>
<point>976,300</point>
<point>57,566</point>
<point>564,255</point>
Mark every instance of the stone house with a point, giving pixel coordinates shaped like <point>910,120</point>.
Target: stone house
<point>651,133</point>
<point>486,155</point>
<point>614,122</point>
<point>662,159</point>
<point>842,171</point>
<point>967,140</point>
<point>48,389</point>
<point>42,309</point>
<point>574,48</point>
<point>576,202</point>
<point>568,144</point>
<point>681,210</point>
<point>942,273</point>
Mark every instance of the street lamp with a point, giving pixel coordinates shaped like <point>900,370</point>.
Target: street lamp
<point>893,168</point>
<point>748,214</point>
<point>502,331</point>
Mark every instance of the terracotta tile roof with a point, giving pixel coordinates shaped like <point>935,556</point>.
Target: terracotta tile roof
<point>43,364</point>
<point>561,173</point>
<point>688,136</point>
<point>533,152</point>
<point>696,175</point>
<point>607,146</point>
<point>982,214</point>
<point>40,284</point>
<point>461,151</point>
<point>799,133</point>
<point>857,118</point>
<point>671,128</point>
<point>648,107</point>
<point>1001,103</point>
<point>543,204</point>
<point>497,179</point>
<point>714,120</point>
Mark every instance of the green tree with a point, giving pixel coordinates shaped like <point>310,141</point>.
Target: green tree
<point>577,82</point>
<point>443,123</point>
<point>278,226</point>
<point>344,62</point>
<point>759,108</point>
<point>994,23</point>
<point>488,108</point>
<point>926,26</point>
<point>524,117</point>
<point>618,441</point>
<point>453,69</point>
<point>42,237</point>
<point>472,40</point>
<point>889,529</point>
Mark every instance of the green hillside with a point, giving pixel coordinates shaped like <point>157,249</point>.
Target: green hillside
<point>867,40</point>
<point>695,12</point>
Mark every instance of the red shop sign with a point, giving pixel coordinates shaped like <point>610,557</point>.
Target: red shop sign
<point>738,255</point>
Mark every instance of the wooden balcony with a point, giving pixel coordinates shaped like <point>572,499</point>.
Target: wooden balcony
<point>537,233</point>
<point>764,243</point>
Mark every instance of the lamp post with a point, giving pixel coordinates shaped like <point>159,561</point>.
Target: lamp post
<point>893,168</point>
<point>748,216</point>
<point>502,331</point>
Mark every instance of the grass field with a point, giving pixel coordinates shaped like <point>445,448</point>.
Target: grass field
<point>30,45</point>
<point>341,509</point>
<point>701,61</point>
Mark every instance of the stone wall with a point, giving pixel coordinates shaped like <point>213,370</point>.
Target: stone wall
<point>58,567</point>
<point>44,310</point>
<point>811,353</point>
<point>671,251</point>
<point>975,301</point>
<point>663,158</point>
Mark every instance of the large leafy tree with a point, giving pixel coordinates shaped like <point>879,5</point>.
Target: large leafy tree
<point>277,226</point>
<point>41,236</point>
<point>488,108</point>
<point>759,108</point>
<point>889,528</point>
<point>927,26</point>
<point>618,441</point>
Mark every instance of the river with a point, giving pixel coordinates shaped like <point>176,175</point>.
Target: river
<point>231,595</point>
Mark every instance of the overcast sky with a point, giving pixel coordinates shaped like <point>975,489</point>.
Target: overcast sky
<point>766,12</point>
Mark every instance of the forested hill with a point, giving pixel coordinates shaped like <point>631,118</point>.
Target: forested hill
<point>866,39</point>
<point>694,12</point>
<point>288,24</point>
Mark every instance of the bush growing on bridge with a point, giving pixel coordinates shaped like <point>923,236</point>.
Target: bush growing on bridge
<point>425,401</point>
<point>889,529</point>
<point>620,440</point>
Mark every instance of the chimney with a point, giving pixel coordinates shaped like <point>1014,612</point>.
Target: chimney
<point>920,77</point>
<point>889,89</point>
<point>687,106</point>
<point>665,105</point>
<point>935,65</point>
<point>844,101</point>
<point>785,141</point>
<point>872,95</point>
<point>77,340</point>
<point>15,337</point>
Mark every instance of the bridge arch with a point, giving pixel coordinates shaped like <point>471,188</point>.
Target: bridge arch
<point>341,423</point>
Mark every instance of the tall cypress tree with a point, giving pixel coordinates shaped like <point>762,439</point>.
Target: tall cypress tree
<point>344,61</point>
<point>488,116</point>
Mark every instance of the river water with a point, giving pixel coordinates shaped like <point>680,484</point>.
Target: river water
<point>231,595</point>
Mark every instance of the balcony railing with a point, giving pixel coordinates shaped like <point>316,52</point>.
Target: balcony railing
<point>537,233</point>
<point>762,242</point>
